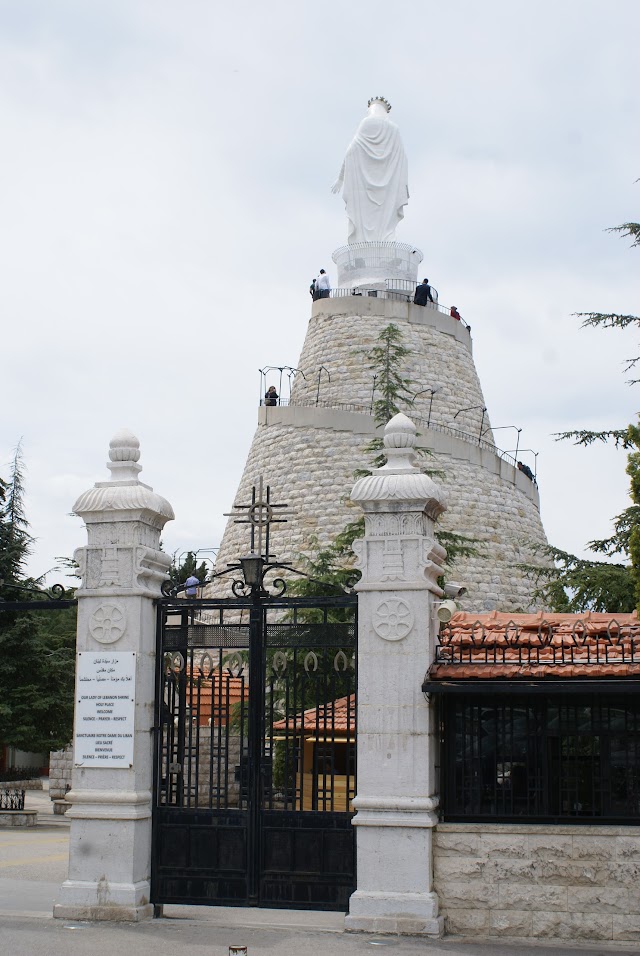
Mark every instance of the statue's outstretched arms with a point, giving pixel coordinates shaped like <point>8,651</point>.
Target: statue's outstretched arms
<point>337,186</point>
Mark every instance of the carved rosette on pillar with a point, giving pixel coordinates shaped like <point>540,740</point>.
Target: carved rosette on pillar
<point>122,570</point>
<point>396,802</point>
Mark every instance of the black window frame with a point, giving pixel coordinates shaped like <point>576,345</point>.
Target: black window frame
<point>540,758</point>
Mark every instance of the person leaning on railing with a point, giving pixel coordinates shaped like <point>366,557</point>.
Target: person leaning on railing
<point>527,471</point>
<point>423,293</point>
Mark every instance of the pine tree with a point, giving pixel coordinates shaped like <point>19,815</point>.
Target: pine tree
<point>575,584</point>
<point>37,648</point>
<point>385,361</point>
<point>15,540</point>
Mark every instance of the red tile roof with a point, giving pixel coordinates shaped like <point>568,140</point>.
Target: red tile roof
<point>215,697</point>
<point>337,716</point>
<point>530,646</point>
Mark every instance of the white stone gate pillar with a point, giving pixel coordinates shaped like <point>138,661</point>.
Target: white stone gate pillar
<point>122,572</point>
<point>396,798</point>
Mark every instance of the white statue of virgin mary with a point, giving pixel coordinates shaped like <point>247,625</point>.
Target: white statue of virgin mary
<point>373,178</point>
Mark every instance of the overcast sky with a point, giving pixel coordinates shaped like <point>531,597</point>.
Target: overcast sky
<point>165,200</point>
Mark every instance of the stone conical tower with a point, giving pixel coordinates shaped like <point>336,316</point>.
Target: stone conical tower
<point>308,451</point>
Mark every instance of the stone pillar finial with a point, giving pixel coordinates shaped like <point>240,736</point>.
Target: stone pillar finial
<point>124,453</point>
<point>399,445</point>
<point>401,561</point>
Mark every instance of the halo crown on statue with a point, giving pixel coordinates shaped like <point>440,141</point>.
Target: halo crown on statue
<point>380,99</point>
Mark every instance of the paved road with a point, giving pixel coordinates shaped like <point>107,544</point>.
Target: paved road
<point>179,937</point>
<point>33,863</point>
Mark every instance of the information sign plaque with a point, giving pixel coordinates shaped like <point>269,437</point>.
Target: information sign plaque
<point>105,708</point>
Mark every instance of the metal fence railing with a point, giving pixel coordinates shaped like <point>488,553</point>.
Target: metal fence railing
<point>11,799</point>
<point>399,289</point>
<point>419,422</point>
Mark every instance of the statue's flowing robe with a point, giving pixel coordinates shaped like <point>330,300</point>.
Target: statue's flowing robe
<point>375,181</point>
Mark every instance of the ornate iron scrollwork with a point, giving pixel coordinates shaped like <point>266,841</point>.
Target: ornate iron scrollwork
<point>55,593</point>
<point>239,587</point>
<point>279,663</point>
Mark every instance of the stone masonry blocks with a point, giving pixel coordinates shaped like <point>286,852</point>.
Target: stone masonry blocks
<point>309,461</point>
<point>341,333</point>
<point>541,882</point>
<point>311,469</point>
<point>60,767</point>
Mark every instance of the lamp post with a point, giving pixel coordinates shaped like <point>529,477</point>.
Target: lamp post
<point>320,371</point>
<point>291,373</point>
<point>500,427</point>
<point>433,392</point>
<point>289,369</point>
<point>469,409</point>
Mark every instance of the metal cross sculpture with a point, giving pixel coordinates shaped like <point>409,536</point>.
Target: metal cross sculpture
<point>260,514</point>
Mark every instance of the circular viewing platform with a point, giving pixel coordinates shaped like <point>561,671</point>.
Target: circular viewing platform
<point>392,293</point>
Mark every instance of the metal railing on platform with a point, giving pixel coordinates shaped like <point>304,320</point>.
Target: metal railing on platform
<point>419,422</point>
<point>399,290</point>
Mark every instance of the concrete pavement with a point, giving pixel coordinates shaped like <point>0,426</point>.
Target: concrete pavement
<point>33,863</point>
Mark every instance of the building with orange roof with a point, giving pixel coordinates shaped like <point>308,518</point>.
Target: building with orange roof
<point>214,699</point>
<point>324,740</point>
<point>539,756</point>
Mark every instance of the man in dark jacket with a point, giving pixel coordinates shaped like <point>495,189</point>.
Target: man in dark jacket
<point>423,293</point>
<point>527,471</point>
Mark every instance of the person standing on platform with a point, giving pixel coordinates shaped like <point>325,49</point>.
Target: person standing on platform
<point>323,286</point>
<point>423,293</point>
<point>455,314</point>
<point>271,396</point>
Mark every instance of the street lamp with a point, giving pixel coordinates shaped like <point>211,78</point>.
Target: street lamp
<point>433,392</point>
<point>500,427</point>
<point>320,371</point>
<point>470,409</point>
<point>252,570</point>
<point>277,368</point>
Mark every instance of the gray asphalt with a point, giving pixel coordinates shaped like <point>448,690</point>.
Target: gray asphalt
<point>33,863</point>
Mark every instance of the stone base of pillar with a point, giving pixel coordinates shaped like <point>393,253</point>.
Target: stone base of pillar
<point>412,914</point>
<point>118,902</point>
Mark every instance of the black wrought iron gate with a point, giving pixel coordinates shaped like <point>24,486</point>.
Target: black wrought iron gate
<point>255,752</point>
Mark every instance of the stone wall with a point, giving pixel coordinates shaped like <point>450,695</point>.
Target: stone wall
<point>543,882</point>
<point>200,782</point>
<point>309,455</point>
<point>60,766</point>
<point>342,331</point>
